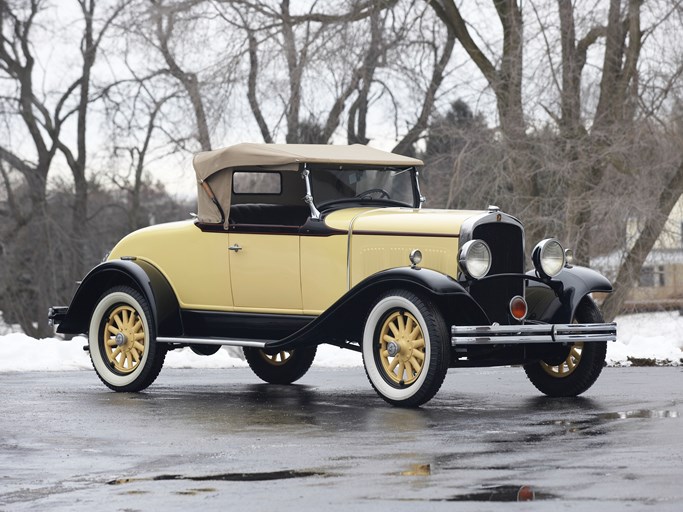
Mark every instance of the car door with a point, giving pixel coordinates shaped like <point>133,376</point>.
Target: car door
<point>264,271</point>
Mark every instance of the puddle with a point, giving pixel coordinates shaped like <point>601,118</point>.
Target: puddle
<point>640,413</point>
<point>225,477</point>
<point>503,493</point>
<point>589,427</point>
<point>195,492</point>
<point>418,470</point>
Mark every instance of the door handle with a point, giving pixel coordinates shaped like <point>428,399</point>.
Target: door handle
<point>234,247</point>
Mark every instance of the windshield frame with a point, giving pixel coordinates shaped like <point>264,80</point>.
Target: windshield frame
<point>359,200</point>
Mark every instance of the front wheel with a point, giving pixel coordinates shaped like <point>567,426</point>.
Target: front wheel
<point>578,367</point>
<point>122,341</point>
<point>405,348</point>
<point>283,367</point>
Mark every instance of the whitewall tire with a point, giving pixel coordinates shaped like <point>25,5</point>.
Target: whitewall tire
<point>405,348</point>
<point>122,341</point>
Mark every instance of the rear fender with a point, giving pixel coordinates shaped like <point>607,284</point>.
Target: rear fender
<point>555,301</point>
<point>137,274</point>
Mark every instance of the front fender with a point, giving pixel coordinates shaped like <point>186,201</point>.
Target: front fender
<point>137,274</point>
<point>344,320</point>
<point>555,301</point>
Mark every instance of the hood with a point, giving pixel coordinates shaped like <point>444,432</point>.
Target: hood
<point>400,220</point>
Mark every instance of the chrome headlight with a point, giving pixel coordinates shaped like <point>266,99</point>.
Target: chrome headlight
<point>548,257</point>
<point>475,259</point>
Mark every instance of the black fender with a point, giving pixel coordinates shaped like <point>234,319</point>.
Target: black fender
<point>138,274</point>
<point>345,319</point>
<point>555,301</point>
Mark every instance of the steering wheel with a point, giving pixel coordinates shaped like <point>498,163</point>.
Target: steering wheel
<point>382,193</point>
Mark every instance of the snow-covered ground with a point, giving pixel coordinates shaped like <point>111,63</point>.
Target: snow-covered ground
<point>654,336</point>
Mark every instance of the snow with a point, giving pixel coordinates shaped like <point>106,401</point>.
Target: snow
<point>21,353</point>
<point>655,336</point>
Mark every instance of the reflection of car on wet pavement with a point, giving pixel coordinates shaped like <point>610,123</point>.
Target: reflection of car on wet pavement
<point>298,245</point>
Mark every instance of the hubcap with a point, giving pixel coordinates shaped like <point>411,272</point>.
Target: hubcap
<point>401,348</point>
<point>124,339</point>
<point>566,367</point>
<point>120,339</point>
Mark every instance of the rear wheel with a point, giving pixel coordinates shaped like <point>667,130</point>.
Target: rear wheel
<point>578,367</point>
<point>405,348</point>
<point>122,341</point>
<point>283,367</point>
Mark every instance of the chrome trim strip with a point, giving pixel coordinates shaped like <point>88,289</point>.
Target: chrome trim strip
<point>533,333</point>
<point>214,341</point>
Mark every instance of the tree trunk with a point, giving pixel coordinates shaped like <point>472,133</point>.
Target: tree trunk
<point>629,270</point>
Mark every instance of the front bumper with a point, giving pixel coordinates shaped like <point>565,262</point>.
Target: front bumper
<point>532,333</point>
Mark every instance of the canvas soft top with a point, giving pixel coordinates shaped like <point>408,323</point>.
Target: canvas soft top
<point>289,156</point>
<point>214,168</point>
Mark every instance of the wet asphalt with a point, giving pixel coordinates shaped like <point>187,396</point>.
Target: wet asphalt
<point>221,440</point>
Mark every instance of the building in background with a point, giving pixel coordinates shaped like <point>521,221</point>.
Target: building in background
<point>660,283</point>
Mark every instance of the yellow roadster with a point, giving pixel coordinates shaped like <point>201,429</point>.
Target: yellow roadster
<point>298,245</point>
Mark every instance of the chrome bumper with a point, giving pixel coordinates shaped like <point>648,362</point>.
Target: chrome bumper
<point>56,314</point>
<point>532,333</point>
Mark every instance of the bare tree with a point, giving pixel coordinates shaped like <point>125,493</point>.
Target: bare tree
<point>439,64</point>
<point>45,118</point>
<point>164,18</point>
<point>297,43</point>
<point>505,80</point>
<point>593,147</point>
<point>136,118</point>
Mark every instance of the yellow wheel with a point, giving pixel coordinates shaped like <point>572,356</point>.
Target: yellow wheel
<point>566,367</point>
<point>406,348</point>
<point>573,371</point>
<point>122,341</point>
<point>401,348</point>
<point>282,367</point>
<point>278,359</point>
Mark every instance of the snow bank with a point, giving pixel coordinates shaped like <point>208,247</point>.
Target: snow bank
<point>20,353</point>
<point>656,336</point>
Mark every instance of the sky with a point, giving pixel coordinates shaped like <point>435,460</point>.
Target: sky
<point>656,336</point>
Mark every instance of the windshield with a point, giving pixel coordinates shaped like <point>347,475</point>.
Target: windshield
<point>393,187</point>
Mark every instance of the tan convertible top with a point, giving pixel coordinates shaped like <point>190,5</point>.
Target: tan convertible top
<point>289,156</point>
<point>280,157</point>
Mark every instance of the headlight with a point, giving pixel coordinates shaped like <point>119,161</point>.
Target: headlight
<point>475,259</point>
<point>548,257</point>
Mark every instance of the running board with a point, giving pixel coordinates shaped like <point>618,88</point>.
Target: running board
<point>229,342</point>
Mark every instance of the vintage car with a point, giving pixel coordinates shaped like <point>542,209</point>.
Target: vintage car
<point>298,245</point>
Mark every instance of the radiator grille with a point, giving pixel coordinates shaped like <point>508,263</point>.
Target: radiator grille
<point>506,242</point>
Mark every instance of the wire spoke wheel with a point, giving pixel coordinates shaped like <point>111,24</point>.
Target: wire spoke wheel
<point>124,336</point>
<point>566,367</point>
<point>401,347</point>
